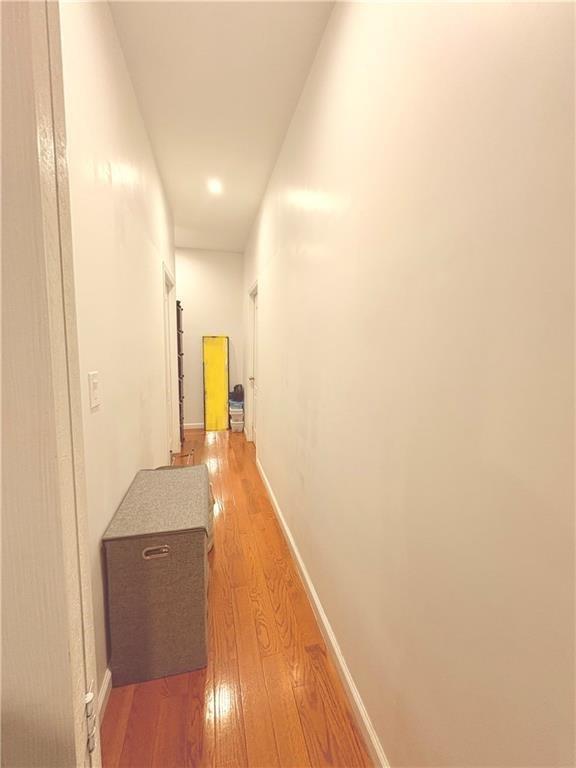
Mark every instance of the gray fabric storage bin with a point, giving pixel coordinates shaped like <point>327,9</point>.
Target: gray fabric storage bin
<point>157,576</point>
<point>195,479</point>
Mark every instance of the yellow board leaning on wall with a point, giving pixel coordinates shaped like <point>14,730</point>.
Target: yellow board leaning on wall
<point>215,357</point>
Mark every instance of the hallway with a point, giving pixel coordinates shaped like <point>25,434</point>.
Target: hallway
<point>270,694</point>
<point>350,228</point>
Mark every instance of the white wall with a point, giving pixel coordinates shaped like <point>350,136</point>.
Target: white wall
<point>121,231</point>
<point>414,258</point>
<point>209,284</point>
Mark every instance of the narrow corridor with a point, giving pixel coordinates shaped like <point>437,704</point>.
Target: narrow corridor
<point>270,694</point>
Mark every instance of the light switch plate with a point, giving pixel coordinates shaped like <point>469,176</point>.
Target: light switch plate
<point>94,389</point>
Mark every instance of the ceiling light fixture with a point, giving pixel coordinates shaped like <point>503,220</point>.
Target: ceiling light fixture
<point>214,186</point>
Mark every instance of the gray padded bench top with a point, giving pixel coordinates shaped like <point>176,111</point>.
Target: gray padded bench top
<point>163,502</point>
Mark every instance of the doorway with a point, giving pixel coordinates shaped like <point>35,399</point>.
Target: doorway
<point>252,399</point>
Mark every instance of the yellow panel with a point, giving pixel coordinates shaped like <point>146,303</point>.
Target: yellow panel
<point>215,352</point>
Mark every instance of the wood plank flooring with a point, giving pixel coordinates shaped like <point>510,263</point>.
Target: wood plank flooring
<point>270,695</point>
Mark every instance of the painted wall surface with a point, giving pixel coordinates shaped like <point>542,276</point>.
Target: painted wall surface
<point>121,231</point>
<point>414,258</point>
<point>209,284</point>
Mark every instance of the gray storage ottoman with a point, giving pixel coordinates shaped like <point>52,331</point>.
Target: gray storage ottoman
<point>157,575</point>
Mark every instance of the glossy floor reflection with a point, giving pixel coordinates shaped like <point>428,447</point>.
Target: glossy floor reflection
<point>270,695</point>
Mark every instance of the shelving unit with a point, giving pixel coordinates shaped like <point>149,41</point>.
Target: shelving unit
<point>180,335</point>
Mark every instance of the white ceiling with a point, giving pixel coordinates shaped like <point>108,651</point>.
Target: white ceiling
<point>217,84</point>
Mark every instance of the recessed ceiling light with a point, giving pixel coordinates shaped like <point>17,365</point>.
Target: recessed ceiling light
<point>214,186</point>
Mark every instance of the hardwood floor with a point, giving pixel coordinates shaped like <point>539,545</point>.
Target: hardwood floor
<point>270,695</point>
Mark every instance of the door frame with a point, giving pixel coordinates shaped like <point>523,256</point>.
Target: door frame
<point>168,301</point>
<point>251,400</point>
<point>47,599</point>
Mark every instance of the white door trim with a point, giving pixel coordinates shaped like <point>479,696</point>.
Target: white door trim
<point>81,569</point>
<point>47,601</point>
<point>250,399</point>
<point>169,303</point>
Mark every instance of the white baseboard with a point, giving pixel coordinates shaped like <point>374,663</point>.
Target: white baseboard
<point>195,425</point>
<point>104,694</point>
<point>362,717</point>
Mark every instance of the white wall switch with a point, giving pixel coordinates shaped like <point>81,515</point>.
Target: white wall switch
<point>94,389</point>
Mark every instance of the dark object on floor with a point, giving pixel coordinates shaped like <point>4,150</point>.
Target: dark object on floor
<point>237,395</point>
